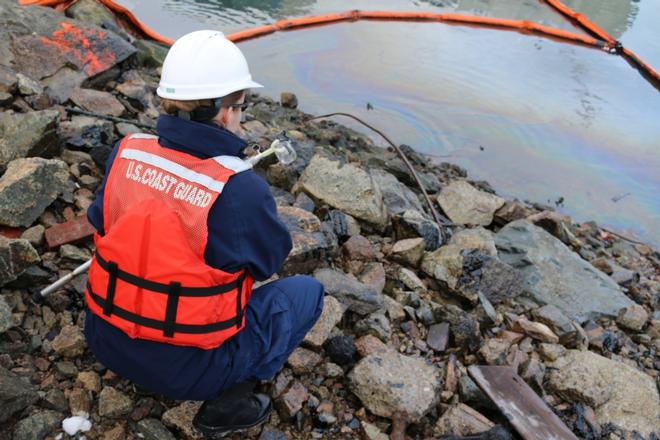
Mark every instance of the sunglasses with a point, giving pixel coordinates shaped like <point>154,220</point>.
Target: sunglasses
<point>242,105</point>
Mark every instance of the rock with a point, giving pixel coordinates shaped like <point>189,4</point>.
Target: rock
<point>288,100</point>
<point>38,425</point>
<point>6,98</point>
<point>90,380</point>
<point>396,196</point>
<point>555,223</point>
<point>553,274</point>
<point>6,321</point>
<point>369,344</point>
<point>35,235</point>
<point>15,394</point>
<point>89,133</point>
<point>357,297</point>
<point>551,352</point>
<point>494,351</point>
<point>79,403</point>
<point>556,320</point>
<point>511,211</point>
<point>409,251</point>
<point>632,318</point>
<point>411,280</point>
<point>620,394</point>
<point>371,432</point>
<point>98,102</point>
<point>113,403</point>
<point>489,277</point>
<point>438,337</point>
<point>343,225</point>
<point>304,202</point>
<point>16,255</point>
<point>310,245</point>
<point>272,434</point>
<point>373,275</point>
<point>61,85</point>
<point>116,433</point>
<point>150,53</point>
<point>388,383</point>
<point>375,324</point>
<point>181,417</point>
<point>303,361</point>
<point>359,248</point>
<point>412,224</point>
<point>28,86</point>
<point>292,400</point>
<point>535,330</point>
<point>345,187</point>
<point>341,350</point>
<point>533,372</point>
<point>153,429</point>
<point>462,420</point>
<point>8,80</point>
<point>394,310</point>
<point>66,369</point>
<point>464,328</point>
<point>333,311</point>
<point>28,187</point>
<point>466,205</point>
<point>27,135</point>
<point>446,263</point>
<point>70,342</point>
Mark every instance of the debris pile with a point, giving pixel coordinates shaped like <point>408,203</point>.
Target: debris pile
<point>423,335</point>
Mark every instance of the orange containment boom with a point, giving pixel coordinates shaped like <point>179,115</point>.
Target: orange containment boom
<point>597,37</point>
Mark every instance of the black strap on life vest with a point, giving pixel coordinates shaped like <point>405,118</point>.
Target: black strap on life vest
<point>165,288</point>
<point>112,286</point>
<point>239,306</point>
<point>196,329</point>
<point>170,311</point>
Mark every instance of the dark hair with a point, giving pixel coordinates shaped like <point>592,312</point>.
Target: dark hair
<point>174,106</point>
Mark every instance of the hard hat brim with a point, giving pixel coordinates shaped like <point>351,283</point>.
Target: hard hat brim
<point>203,91</point>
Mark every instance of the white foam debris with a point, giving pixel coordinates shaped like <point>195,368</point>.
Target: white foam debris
<point>59,436</point>
<point>76,423</point>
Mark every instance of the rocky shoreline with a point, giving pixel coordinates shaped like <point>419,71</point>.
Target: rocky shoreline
<point>410,306</point>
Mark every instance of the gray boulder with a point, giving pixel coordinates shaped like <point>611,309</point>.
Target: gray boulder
<point>396,196</point>
<point>356,296</point>
<point>619,394</point>
<point>16,255</point>
<point>388,383</point>
<point>553,274</point>
<point>412,223</point>
<point>28,135</point>
<point>310,244</point>
<point>345,187</point>
<point>15,394</point>
<point>28,187</point>
<point>153,429</point>
<point>38,425</point>
<point>5,315</point>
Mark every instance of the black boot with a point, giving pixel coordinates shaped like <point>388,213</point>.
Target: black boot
<point>235,409</point>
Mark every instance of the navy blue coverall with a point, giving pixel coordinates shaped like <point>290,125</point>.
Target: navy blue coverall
<point>244,232</point>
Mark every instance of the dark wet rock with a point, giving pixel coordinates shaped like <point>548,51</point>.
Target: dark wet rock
<point>6,98</point>
<point>620,394</point>
<point>341,350</point>
<point>356,296</point>
<point>461,420</point>
<point>113,403</point>
<point>100,155</point>
<point>28,187</point>
<point>153,429</point>
<point>38,425</point>
<point>396,196</point>
<point>375,324</point>
<point>345,187</point>
<point>55,400</point>
<point>556,320</point>
<point>310,244</point>
<point>150,53</point>
<point>28,135</point>
<point>304,202</point>
<point>86,132</point>
<point>446,263</point>
<point>466,205</point>
<point>343,225</point>
<point>486,275</point>
<point>633,317</point>
<point>15,394</point>
<point>388,383</point>
<point>16,255</point>
<point>70,342</point>
<point>555,275</point>
<point>288,100</point>
<point>464,328</point>
<point>471,393</point>
<point>411,224</point>
<point>66,369</point>
<point>333,311</point>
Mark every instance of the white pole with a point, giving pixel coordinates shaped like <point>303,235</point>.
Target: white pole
<point>65,279</point>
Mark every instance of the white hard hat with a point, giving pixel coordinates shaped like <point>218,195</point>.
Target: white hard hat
<point>204,65</point>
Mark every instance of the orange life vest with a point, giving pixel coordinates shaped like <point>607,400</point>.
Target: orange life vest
<point>148,276</point>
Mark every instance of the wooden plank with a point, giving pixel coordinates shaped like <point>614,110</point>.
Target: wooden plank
<point>524,409</point>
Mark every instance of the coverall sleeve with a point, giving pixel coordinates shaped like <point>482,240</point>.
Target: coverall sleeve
<point>95,210</point>
<point>244,229</point>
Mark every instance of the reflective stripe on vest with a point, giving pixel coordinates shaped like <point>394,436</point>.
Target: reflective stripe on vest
<point>148,276</point>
